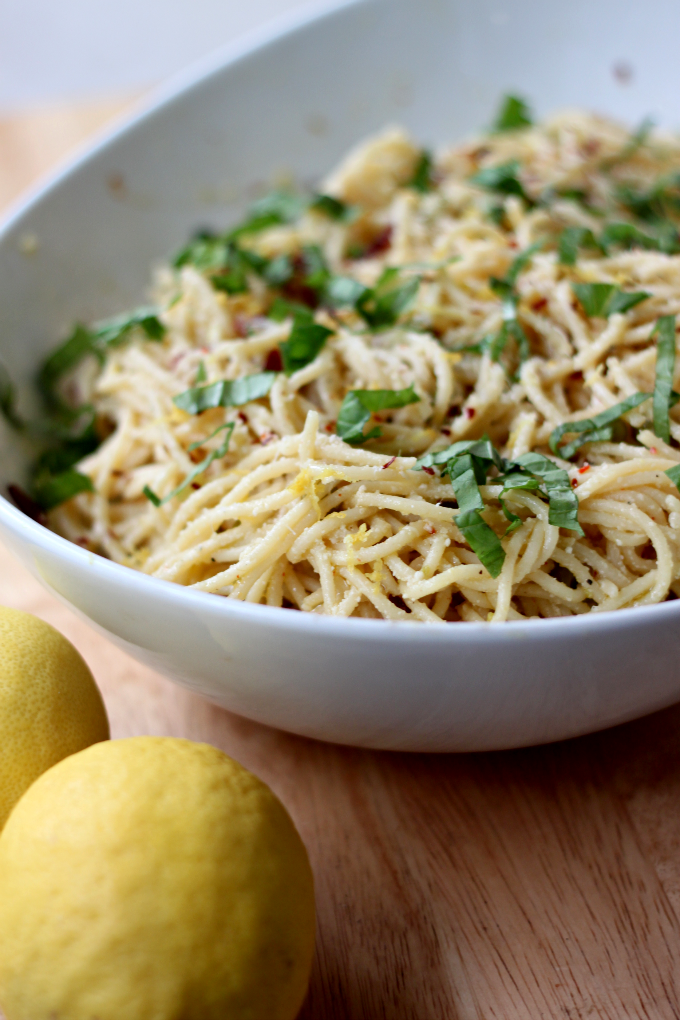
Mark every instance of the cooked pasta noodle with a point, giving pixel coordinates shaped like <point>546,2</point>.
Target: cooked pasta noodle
<point>291,514</point>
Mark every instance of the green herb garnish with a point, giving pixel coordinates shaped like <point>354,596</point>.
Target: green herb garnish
<point>334,208</point>
<point>274,209</point>
<point>604,299</point>
<point>304,343</point>
<point>600,428</point>
<point>636,141</point>
<point>95,341</point>
<point>199,468</point>
<point>513,115</point>
<point>625,235</point>
<point>343,291</point>
<point>358,406</point>
<point>49,490</point>
<point>8,400</point>
<point>282,308</point>
<point>573,238</point>
<point>505,289</point>
<point>467,464</point>
<point>502,179</point>
<point>227,393</point>
<point>422,180</point>
<point>664,396</point>
<point>674,475</point>
<point>562,500</point>
<point>381,306</point>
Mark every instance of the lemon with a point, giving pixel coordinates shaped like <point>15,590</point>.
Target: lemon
<point>153,878</point>
<point>49,704</point>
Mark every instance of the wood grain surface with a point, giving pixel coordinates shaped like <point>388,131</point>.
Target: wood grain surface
<point>542,883</point>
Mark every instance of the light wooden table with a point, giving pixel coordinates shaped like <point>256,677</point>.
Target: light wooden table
<point>521,885</point>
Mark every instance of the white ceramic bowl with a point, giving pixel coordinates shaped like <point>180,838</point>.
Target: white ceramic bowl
<point>296,98</point>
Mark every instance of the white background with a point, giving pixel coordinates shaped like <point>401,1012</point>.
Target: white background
<point>55,50</point>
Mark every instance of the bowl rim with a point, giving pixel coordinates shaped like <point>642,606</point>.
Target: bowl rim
<point>194,76</point>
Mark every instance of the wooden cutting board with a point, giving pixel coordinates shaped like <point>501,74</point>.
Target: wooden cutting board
<point>542,883</point>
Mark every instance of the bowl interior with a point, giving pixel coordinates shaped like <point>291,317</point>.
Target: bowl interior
<point>292,105</point>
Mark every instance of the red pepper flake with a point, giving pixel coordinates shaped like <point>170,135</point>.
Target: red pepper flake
<point>274,362</point>
<point>380,243</point>
<point>513,244</point>
<point>446,432</point>
<point>470,412</point>
<point>242,417</point>
<point>195,485</point>
<point>428,470</point>
<point>541,303</point>
<point>330,426</point>
<point>586,467</point>
<point>267,437</point>
<point>652,449</point>
<point>27,504</point>
<point>82,540</point>
<point>429,528</point>
<point>389,463</point>
<point>574,482</point>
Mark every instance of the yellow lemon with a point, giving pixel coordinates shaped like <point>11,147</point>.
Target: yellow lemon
<point>49,704</point>
<point>153,879</point>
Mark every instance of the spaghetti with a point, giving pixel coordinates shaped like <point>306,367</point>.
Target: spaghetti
<point>277,442</point>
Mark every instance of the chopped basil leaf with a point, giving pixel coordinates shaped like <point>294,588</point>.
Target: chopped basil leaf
<point>674,475</point>
<point>381,306</point>
<point>562,500</point>
<point>282,308</point>
<point>513,115</point>
<point>95,341</point>
<point>304,343</point>
<point>663,380</point>
<point>63,359</point>
<point>626,235</point>
<point>227,393</point>
<point>422,175</point>
<point>205,251</point>
<point>515,521</point>
<point>655,204</point>
<point>604,299</point>
<point>636,141</point>
<point>573,238</point>
<point>201,374</point>
<point>114,331</point>
<point>279,271</point>
<point>334,208</point>
<point>199,468</point>
<point>623,301</point>
<point>517,480</point>
<point>483,540</point>
<point>599,428</point>
<point>50,491</point>
<point>466,477</point>
<point>505,289</point>
<point>236,264</point>
<point>274,209</point>
<point>233,282</point>
<point>316,272</point>
<point>358,406</point>
<point>342,291</point>
<point>481,449</point>
<point>8,400</point>
<point>503,179</point>
<point>467,464</point>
